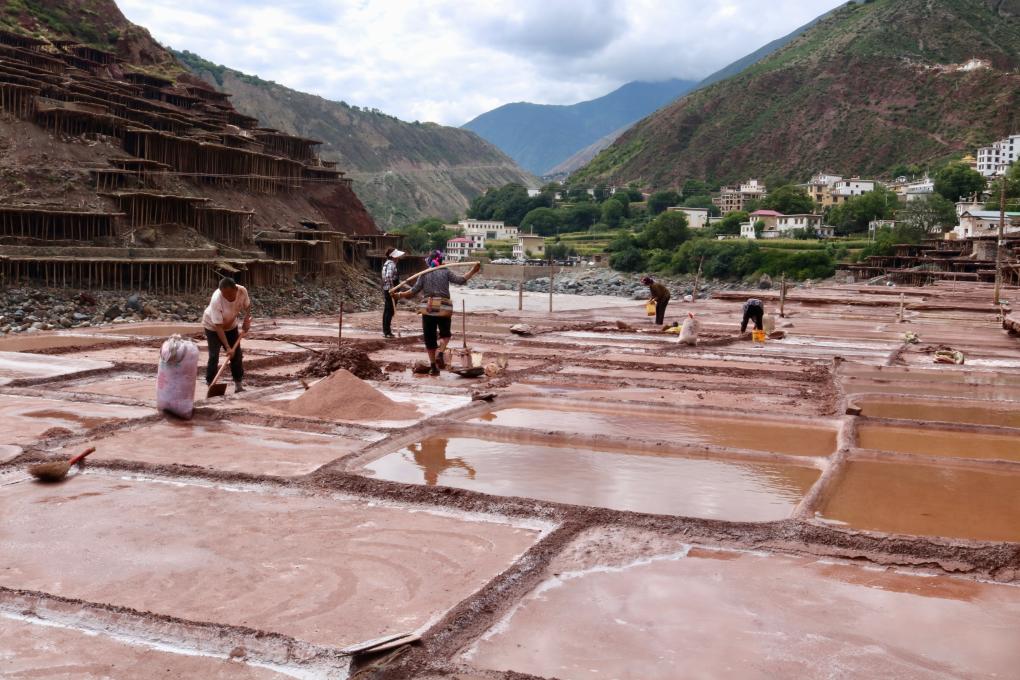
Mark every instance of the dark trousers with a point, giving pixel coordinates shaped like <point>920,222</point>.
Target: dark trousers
<point>432,326</point>
<point>660,311</point>
<point>756,313</point>
<point>236,363</point>
<point>387,314</point>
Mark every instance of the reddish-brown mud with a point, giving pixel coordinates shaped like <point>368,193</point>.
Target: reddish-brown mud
<point>534,521</point>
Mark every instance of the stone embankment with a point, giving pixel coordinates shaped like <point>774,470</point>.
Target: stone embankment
<point>602,281</point>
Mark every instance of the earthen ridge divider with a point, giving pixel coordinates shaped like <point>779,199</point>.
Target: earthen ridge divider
<point>205,638</point>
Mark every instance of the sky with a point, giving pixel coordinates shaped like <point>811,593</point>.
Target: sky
<point>448,61</point>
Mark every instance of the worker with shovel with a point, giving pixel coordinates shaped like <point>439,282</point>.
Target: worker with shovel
<point>229,303</point>
<point>436,307</point>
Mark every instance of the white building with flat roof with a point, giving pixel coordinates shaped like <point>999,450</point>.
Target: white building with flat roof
<point>778,225</point>
<point>528,246</point>
<point>461,248</point>
<point>994,160</point>
<point>985,223</point>
<point>491,230</point>
<point>697,218</point>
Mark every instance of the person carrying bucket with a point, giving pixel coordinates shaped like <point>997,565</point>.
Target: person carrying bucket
<point>753,309</point>
<point>660,298</point>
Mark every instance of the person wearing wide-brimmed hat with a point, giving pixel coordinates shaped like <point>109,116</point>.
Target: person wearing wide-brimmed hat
<point>389,280</point>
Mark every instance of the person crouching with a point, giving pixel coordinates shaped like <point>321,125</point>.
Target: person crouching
<point>436,307</point>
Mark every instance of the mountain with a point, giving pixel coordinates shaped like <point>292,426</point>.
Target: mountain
<point>867,87</point>
<point>541,136</point>
<point>402,171</point>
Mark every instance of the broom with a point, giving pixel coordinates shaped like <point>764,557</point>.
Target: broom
<point>54,472</point>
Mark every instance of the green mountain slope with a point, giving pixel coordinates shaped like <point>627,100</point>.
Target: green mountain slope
<point>541,136</point>
<point>869,86</point>
<point>402,171</point>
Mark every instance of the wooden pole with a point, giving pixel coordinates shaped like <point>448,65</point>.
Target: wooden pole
<point>1002,231</point>
<point>552,277</point>
<point>340,324</point>
<point>697,279</point>
<point>782,297</point>
<point>520,291</point>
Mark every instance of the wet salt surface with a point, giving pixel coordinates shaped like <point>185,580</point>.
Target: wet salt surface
<point>930,441</point>
<point>927,500</point>
<point>222,445</point>
<point>949,411</point>
<point>798,440</point>
<point>25,418</point>
<point>19,365</point>
<point>723,614</point>
<point>328,571</point>
<point>654,482</point>
<point>28,652</point>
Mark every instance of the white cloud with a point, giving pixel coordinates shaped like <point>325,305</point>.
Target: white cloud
<point>449,61</point>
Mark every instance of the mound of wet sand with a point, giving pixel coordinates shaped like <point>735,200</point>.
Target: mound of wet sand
<point>344,396</point>
<point>348,357</point>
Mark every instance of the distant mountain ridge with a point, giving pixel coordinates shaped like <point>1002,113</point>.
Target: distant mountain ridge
<point>541,136</point>
<point>866,87</point>
<point>402,171</point>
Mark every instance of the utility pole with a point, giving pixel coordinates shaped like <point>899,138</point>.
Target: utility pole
<point>1002,232</point>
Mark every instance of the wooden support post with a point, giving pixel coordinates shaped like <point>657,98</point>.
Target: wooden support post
<point>782,297</point>
<point>902,303</point>
<point>340,324</point>
<point>520,291</point>
<point>697,280</point>
<point>552,282</point>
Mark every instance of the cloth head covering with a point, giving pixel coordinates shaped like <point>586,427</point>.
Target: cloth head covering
<point>647,281</point>
<point>435,259</point>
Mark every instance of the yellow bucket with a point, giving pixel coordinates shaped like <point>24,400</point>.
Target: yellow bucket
<point>758,336</point>
<point>650,308</point>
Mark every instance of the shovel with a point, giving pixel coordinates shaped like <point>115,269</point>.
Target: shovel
<point>216,390</point>
<point>54,472</point>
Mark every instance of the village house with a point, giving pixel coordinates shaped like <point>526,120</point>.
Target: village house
<point>738,198</point>
<point>697,218</point>
<point>828,190</point>
<point>461,248</point>
<point>488,230</point>
<point>529,247</point>
<point>778,225</point>
<point>994,160</point>
<point>985,223</point>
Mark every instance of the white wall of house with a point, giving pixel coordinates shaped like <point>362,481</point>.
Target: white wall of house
<point>697,218</point>
<point>489,229</point>
<point>995,159</point>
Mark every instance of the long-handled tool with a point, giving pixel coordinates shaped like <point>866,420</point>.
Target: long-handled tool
<point>216,390</point>
<point>54,472</point>
<point>413,277</point>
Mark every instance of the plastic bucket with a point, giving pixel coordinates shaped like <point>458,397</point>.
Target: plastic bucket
<point>758,336</point>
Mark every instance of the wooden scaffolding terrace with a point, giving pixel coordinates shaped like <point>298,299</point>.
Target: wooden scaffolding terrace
<point>145,209</point>
<point>24,42</point>
<point>129,172</point>
<point>277,143</point>
<point>208,94</point>
<point>92,54</point>
<point>215,163</point>
<point>77,118</point>
<point>19,100</point>
<point>33,58</point>
<point>242,121</point>
<point>47,224</point>
<point>147,80</point>
<point>233,228</point>
<point>309,255</point>
<point>157,275</point>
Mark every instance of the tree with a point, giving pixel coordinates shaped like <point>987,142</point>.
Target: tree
<point>695,187</point>
<point>934,214</point>
<point>1012,180</point>
<point>542,221</point>
<point>582,216</point>
<point>416,239</point>
<point>623,199</point>
<point>660,200</point>
<point>630,260</point>
<point>666,232</point>
<point>557,251</point>
<point>508,203</point>
<point>958,180</point>
<point>730,225</point>
<point>853,216</point>
<point>601,193</point>
<point>612,213</point>
<point>759,228</point>
<point>437,240</point>
<point>789,200</point>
